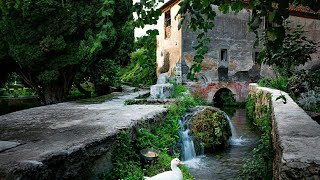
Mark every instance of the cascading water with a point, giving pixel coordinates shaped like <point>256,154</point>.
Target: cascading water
<point>188,150</point>
<point>234,139</point>
<point>226,164</point>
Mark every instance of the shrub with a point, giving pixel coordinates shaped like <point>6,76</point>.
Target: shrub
<point>142,68</point>
<point>281,83</point>
<point>310,100</point>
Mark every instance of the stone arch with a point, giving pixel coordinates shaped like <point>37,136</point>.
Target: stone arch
<point>217,97</point>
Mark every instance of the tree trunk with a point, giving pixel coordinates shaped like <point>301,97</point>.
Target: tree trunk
<point>83,91</point>
<point>51,92</point>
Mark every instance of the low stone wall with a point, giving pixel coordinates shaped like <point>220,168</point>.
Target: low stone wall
<point>296,138</point>
<point>71,140</point>
<point>22,100</point>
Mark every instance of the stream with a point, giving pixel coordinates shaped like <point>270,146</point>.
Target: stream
<point>227,163</point>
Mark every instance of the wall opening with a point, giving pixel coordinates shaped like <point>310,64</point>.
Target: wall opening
<point>223,55</point>
<point>167,24</point>
<point>223,65</point>
<point>224,97</point>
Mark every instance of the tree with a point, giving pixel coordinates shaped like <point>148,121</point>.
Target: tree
<point>50,41</point>
<point>110,48</point>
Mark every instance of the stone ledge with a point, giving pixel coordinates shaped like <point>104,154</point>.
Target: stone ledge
<point>296,138</point>
<point>68,140</point>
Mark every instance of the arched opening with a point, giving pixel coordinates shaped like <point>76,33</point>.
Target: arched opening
<point>224,97</point>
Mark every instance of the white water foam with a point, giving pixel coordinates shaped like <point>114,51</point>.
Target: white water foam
<point>195,163</point>
<point>234,140</point>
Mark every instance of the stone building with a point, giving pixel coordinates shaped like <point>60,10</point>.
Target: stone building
<point>231,55</point>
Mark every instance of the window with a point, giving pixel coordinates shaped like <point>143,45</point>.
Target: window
<point>167,17</point>
<point>223,55</point>
<point>167,24</point>
<point>255,57</point>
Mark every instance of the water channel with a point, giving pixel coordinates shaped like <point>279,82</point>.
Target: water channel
<point>227,163</point>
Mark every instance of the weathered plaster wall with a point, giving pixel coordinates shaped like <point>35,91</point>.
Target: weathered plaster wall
<point>231,32</point>
<point>169,47</point>
<point>295,139</point>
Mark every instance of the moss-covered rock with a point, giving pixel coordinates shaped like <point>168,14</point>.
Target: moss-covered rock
<point>211,128</point>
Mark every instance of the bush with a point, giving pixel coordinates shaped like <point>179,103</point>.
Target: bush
<point>178,90</point>
<point>142,68</point>
<point>281,83</point>
<point>310,100</point>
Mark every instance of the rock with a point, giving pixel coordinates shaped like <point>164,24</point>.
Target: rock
<point>161,91</point>
<point>210,127</point>
<point>163,78</point>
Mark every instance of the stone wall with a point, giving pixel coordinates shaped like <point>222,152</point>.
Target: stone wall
<point>295,138</point>
<point>232,34</point>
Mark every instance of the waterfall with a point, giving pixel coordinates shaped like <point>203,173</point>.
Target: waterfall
<point>188,150</point>
<point>234,139</point>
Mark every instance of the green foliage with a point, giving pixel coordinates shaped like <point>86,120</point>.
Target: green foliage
<point>310,100</point>
<point>212,129</point>
<point>295,50</point>
<point>280,83</point>
<point>162,137</point>
<point>75,94</point>
<point>200,17</point>
<point>142,68</point>
<point>259,166</point>
<point>52,41</point>
<point>124,159</point>
<point>178,90</point>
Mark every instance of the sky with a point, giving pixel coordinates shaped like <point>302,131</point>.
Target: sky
<point>138,32</point>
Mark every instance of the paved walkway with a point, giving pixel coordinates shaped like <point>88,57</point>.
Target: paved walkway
<point>32,136</point>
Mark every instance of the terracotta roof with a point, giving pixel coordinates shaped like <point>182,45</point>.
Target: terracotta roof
<point>168,5</point>
<point>294,9</point>
<point>303,9</point>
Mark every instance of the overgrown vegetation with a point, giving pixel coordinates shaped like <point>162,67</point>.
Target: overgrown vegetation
<point>300,84</point>
<point>258,108</point>
<point>310,100</point>
<point>280,83</point>
<point>142,67</point>
<point>126,162</point>
<point>212,129</point>
<point>178,90</point>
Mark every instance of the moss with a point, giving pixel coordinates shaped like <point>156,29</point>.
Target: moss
<point>211,128</point>
<point>259,109</point>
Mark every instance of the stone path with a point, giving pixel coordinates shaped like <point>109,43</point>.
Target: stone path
<point>31,137</point>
